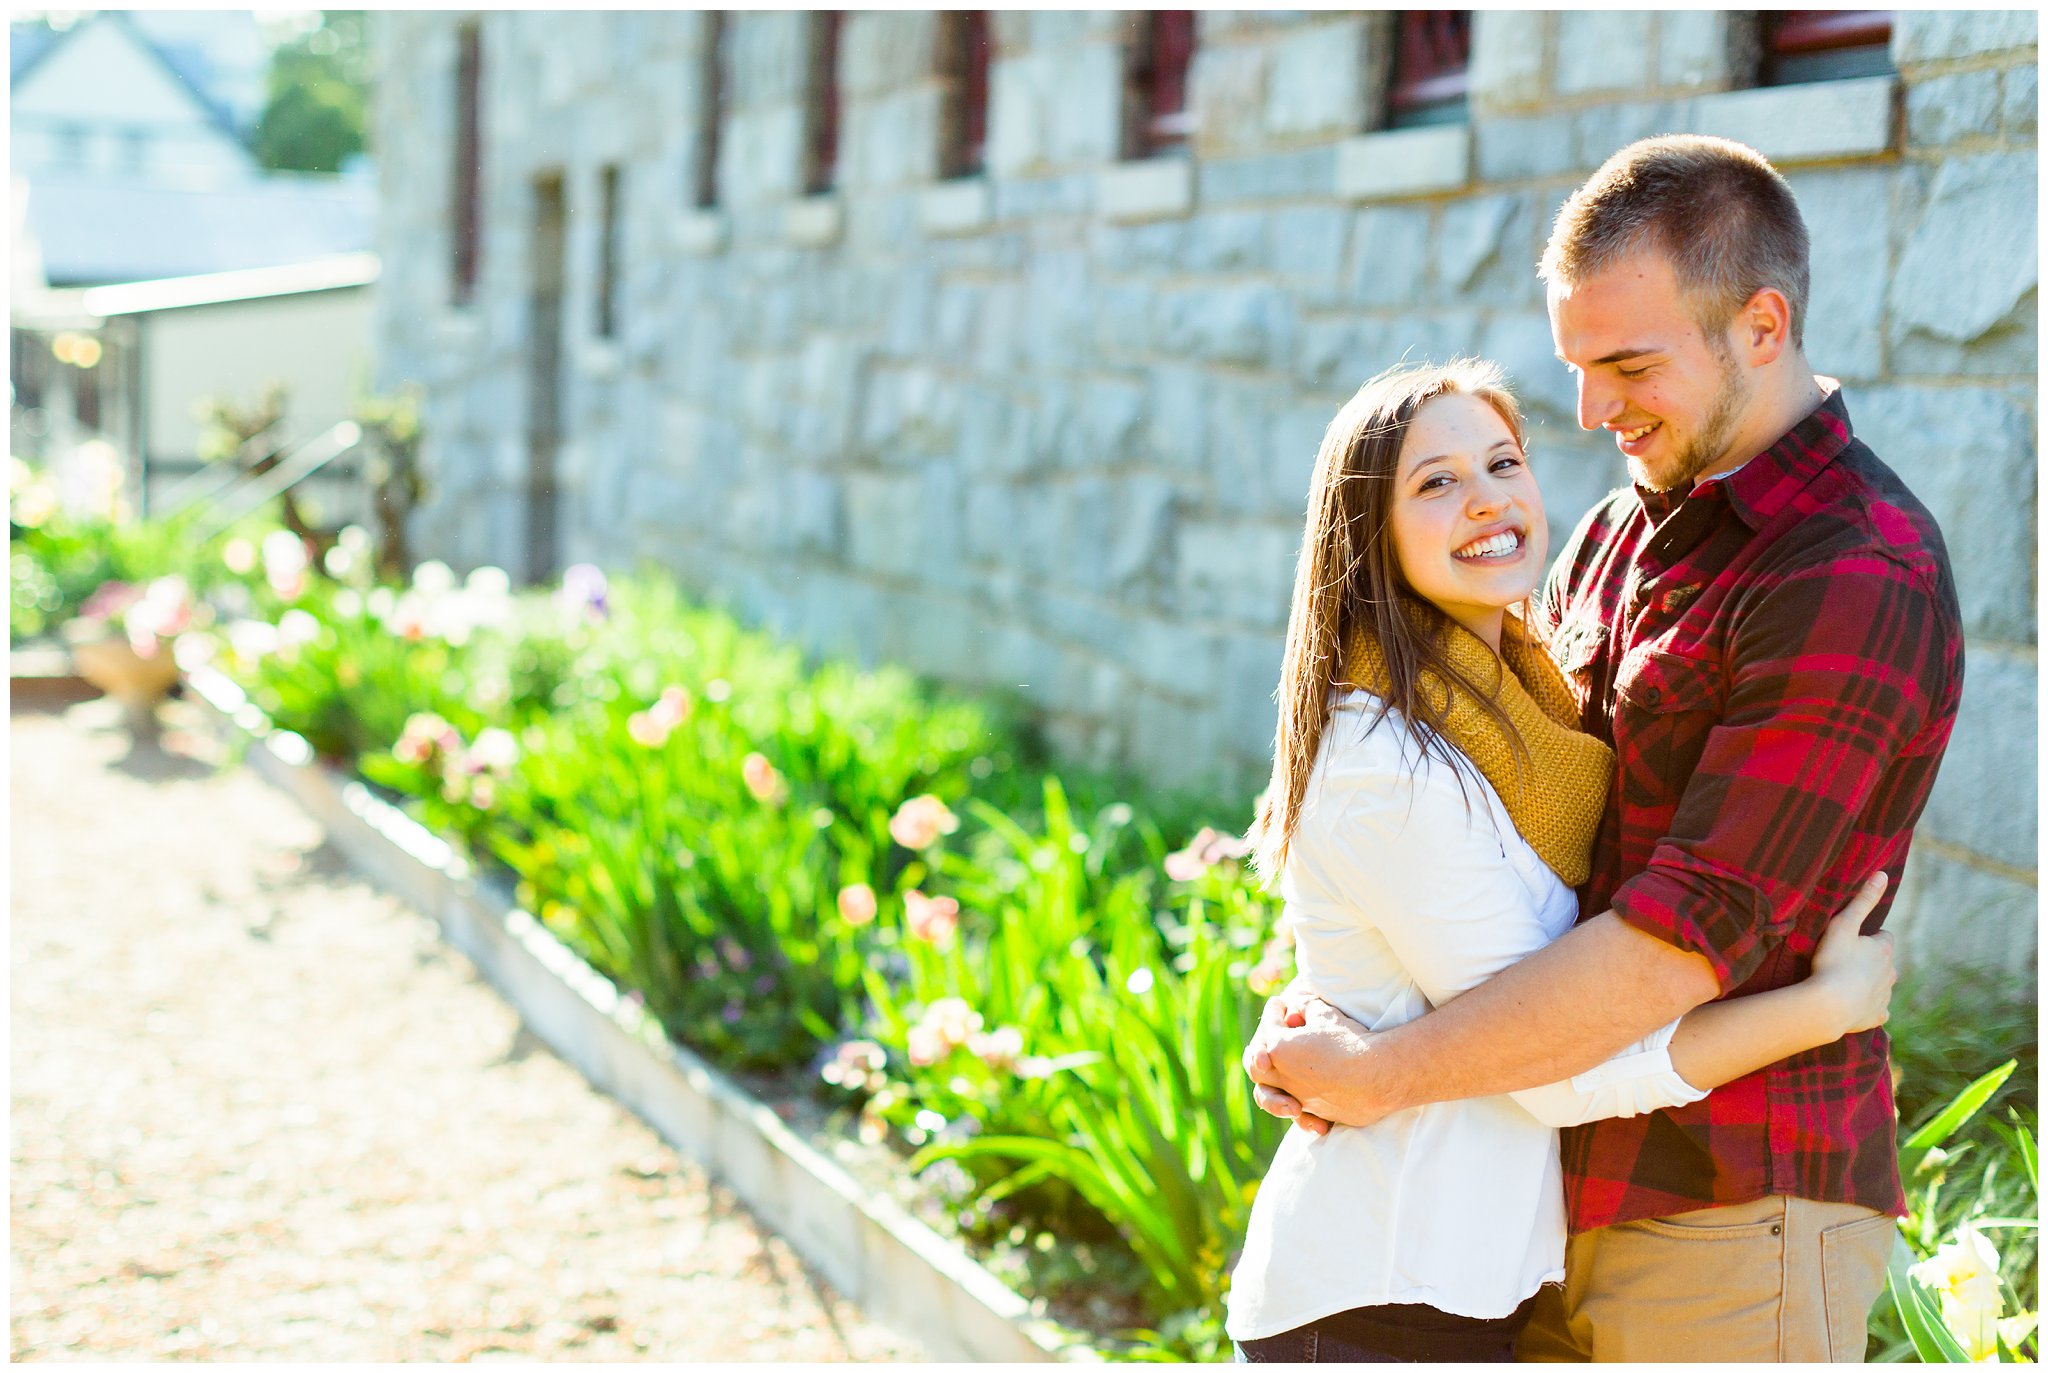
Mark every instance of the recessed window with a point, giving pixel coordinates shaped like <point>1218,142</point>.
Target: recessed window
<point>711,88</point>
<point>1824,45</point>
<point>821,141</point>
<point>963,68</point>
<point>468,170</point>
<point>1432,52</point>
<point>1156,115</point>
<point>610,188</point>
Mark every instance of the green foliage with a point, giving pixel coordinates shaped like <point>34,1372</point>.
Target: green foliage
<point>316,116</point>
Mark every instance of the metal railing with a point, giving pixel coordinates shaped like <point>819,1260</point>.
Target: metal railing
<point>241,492</point>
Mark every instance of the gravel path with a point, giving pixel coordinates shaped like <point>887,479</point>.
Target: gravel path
<point>259,1111</point>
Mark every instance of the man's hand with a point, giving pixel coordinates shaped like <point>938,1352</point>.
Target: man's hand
<point>1305,1061</point>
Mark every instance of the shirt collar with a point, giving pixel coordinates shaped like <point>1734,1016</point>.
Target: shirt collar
<point>1761,487</point>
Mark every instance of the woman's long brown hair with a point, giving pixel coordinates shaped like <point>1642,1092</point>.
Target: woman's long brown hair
<point>1348,576</point>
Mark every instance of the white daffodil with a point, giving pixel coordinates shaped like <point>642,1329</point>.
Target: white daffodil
<point>1964,1274</point>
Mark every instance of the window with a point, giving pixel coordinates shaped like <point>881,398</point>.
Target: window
<point>821,140</point>
<point>468,160</point>
<point>1432,49</point>
<point>609,191</point>
<point>1824,45</point>
<point>1156,115</point>
<point>68,144</point>
<point>710,107</point>
<point>963,68</point>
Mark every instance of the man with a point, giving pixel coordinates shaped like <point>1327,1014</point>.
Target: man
<point>1765,628</point>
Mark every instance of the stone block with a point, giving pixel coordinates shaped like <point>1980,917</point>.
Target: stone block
<point>769,57</point>
<point>1521,343</point>
<point>1244,324</point>
<point>957,311</point>
<point>1954,917</point>
<point>1085,123</point>
<point>1297,437</point>
<point>1936,35</point>
<point>1405,162</point>
<point>2021,98</point>
<point>1392,256</point>
<point>1603,51</point>
<point>1516,149</point>
<point>1176,406</point>
<point>1849,223</point>
<point>815,221</point>
<point>1971,266</point>
<point>883,518</point>
<point>994,433</point>
<point>1308,244</point>
<point>813,515</point>
<point>1817,122</point>
<point>1113,421</point>
<point>1017,133</point>
<point>1986,795</point>
<point>1236,572</point>
<point>1173,741</point>
<point>1604,130</point>
<point>883,50</point>
<point>1510,52</point>
<point>1968,454</point>
<point>942,523</point>
<point>1946,108</point>
<point>1486,250</point>
<point>1319,86</point>
<point>1250,673</point>
<point>1171,658</point>
<point>1139,248</point>
<point>1227,91</point>
<point>955,207</point>
<point>1140,541</point>
<point>1694,49</point>
<point>1157,188</point>
<point>1225,241</point>
<point>1273,176</point>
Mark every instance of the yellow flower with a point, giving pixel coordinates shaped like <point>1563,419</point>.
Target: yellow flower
<point>1964,1274</point>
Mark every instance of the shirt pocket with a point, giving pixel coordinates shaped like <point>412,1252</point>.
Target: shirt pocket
<point>1666,704</point>
<point>1575,648</point>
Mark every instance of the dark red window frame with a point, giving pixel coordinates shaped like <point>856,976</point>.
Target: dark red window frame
<point>468,176</point>
<point>821,164</point>
<point>964,37</point>
<point>611,197</point>
<point>1432,61</point>
<point>1159,120</point>
<point>711,108</point>
<point>1804,45</point>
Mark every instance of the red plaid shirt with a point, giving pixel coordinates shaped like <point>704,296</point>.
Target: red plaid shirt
<point>1776,658</point>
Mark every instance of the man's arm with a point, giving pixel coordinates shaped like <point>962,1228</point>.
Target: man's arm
<point>1556,1013</point>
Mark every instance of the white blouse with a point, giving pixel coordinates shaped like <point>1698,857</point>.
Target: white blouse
<point>1402,896</point>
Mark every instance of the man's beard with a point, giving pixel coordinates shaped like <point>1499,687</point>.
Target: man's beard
<point>1709,443</point>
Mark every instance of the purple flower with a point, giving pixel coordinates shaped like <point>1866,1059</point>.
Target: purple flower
<point>585,589</point>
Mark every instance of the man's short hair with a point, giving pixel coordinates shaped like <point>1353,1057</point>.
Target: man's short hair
<point>1722,214</point>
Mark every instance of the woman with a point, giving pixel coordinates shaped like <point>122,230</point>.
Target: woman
<point>1431,809</point>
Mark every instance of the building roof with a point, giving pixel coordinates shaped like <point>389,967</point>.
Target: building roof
<point>29,45</point>
<point>95,231</point>
<point>343,271</point>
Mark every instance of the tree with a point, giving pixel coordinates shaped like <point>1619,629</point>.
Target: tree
<point>316,116</point>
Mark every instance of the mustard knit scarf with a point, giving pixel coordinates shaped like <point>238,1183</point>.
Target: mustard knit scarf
<point>1557,796</point>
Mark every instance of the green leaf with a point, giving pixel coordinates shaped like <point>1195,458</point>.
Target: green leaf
<point>1967,1103</point>
<point>1920,1313</point>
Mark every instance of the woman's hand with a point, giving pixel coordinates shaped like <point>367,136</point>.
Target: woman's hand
<point>1854,970</point>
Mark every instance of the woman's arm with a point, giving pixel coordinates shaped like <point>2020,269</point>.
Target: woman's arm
<point>1848,989</point>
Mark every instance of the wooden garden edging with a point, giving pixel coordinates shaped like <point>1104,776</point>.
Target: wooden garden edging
<point>899,1270</point>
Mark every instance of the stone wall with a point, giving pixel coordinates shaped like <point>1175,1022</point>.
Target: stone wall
<point>1049,429</point>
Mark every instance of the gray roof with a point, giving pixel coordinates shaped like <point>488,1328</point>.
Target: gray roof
<point>94,230</point>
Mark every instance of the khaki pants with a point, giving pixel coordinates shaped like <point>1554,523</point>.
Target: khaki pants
<point>1782,1280</point>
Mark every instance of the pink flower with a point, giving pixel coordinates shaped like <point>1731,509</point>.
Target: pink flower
<point>934,919</point>
<point>481,793</point>
<point>1208,848</point>
<point>918,822</point>
<point>1000,1048</point>
<point>926,1046</point>
<point>673,708</point>
<point>646,730</point>
<point>857,904</point>
<point>1268,976</point>
<point>954,1020</point>
<point>762,780</point>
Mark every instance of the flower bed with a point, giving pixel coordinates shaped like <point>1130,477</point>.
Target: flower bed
<point>811,870</point>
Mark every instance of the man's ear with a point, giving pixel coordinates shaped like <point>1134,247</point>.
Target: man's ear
<point>1764,326</point>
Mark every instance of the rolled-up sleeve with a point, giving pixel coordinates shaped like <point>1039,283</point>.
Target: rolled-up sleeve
<point>1833,673</point>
